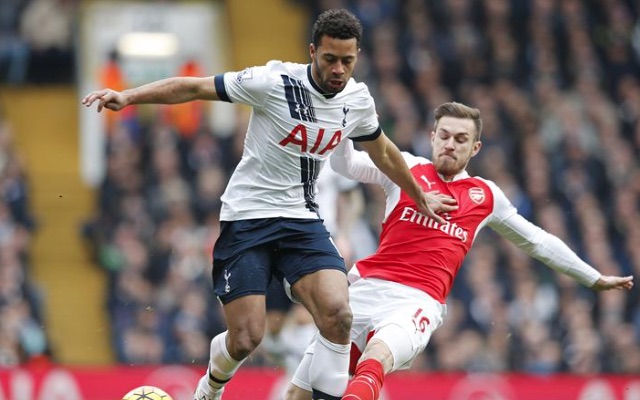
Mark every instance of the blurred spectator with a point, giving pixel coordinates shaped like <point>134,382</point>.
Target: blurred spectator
<point>22,334</point>
<point>48,26</point>
<point>14,50</point>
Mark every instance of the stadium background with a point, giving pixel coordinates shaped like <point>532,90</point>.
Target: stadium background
<point>103,278</point>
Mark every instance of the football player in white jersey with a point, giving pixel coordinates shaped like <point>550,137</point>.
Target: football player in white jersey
<point>290,328</point>
<point>269,220</point>
<point>398,294</point>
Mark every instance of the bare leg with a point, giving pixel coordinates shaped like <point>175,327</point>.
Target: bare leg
<point>325,295</point>
<point>245,318</point>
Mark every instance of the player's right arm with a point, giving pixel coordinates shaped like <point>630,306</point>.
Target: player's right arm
<point>166,91</point>
<point>358,165</point>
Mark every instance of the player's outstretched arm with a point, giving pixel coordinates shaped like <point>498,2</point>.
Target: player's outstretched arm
<point>549,249</point>
<point>613,282</point>
<point>166,91</point>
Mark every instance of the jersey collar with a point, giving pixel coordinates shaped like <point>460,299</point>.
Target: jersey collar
<point>460,175</point>
<point>316,87</point>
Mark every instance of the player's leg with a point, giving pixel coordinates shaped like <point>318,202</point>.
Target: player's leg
<point>317,274</point>
<point>300,385</point>
<point>245,317</point>
<point>403,322</point>
<point>278,306</point>
<point>375,363</point>
<point>240,274</point>
<point>324,294</point>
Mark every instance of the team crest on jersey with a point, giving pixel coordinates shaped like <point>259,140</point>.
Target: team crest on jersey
<point>476,195</point>
<point>246,73</point>
<point>345,111</point>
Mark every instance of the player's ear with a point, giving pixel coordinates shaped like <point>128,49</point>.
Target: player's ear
<point>312,50</point>
<point>476,148</point>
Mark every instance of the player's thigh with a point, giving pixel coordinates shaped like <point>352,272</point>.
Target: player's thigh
<point>406,331</point>
<point>307,248</point>
<point>312,265</point>
<point>242,259</point>
<point>323,293</point>
<point>365,301</point>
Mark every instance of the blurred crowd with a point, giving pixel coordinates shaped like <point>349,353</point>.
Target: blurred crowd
<point>22,333</point>
<point>558,85</point>
<point>37,41</point>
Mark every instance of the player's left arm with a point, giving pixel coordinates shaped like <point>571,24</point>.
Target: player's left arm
<point>548,248</point>
<point>386,156</point>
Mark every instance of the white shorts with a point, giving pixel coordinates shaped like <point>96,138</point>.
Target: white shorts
<point>377,304</point>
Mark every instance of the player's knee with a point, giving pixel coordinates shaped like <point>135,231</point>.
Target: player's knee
<point>335,322</point>
<point>243,343</point>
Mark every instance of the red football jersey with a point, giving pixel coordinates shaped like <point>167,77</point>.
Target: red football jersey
<point>416,251</point>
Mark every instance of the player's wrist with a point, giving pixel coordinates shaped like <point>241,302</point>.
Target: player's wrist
<point>417,194</point>
<point>128,97</point>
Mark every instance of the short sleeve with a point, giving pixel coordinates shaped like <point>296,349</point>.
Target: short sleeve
<point>250,86</point>
<point>369,127</point>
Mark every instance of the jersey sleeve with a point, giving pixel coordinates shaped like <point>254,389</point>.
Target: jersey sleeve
<point>356,165</point>
<point>369,127</point>
<point>536,242</point>
<point>250,86</point>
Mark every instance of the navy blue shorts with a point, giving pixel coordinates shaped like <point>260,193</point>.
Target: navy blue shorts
<point>277,299</point>
<point>249,253</point>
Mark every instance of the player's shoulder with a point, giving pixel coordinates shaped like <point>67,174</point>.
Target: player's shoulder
<point>357,92</point>
<point>413,160</point>
<point>270,73</point>
<point>286,68</point>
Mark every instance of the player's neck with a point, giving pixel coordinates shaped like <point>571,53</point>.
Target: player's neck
<point>311,73</point>
<point>450,177</point>
<point>447,178</point>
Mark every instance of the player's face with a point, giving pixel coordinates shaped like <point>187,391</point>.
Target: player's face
<point>453,144</point>
<point>333,62</point>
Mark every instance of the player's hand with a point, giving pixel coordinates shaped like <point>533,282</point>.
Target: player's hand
<point>107,98</point>
<point>435,203</point>
<point>613,282</point>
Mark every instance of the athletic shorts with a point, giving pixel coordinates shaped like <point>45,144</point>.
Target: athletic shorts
<point>248,253</point>
<point>377,304</point>
<point>277,299</point>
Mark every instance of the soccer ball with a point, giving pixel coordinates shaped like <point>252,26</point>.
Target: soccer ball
<point>147,393</point>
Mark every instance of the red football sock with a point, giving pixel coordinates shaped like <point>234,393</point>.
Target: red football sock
<point>367,382</point>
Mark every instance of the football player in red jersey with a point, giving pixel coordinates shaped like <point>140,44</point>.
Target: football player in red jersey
<point>398,294</point>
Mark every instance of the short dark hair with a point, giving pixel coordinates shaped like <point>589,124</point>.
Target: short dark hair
<point>459,110</point>
<point>337,24</point>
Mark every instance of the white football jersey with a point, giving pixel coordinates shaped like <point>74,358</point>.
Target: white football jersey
<point>293,129</point>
